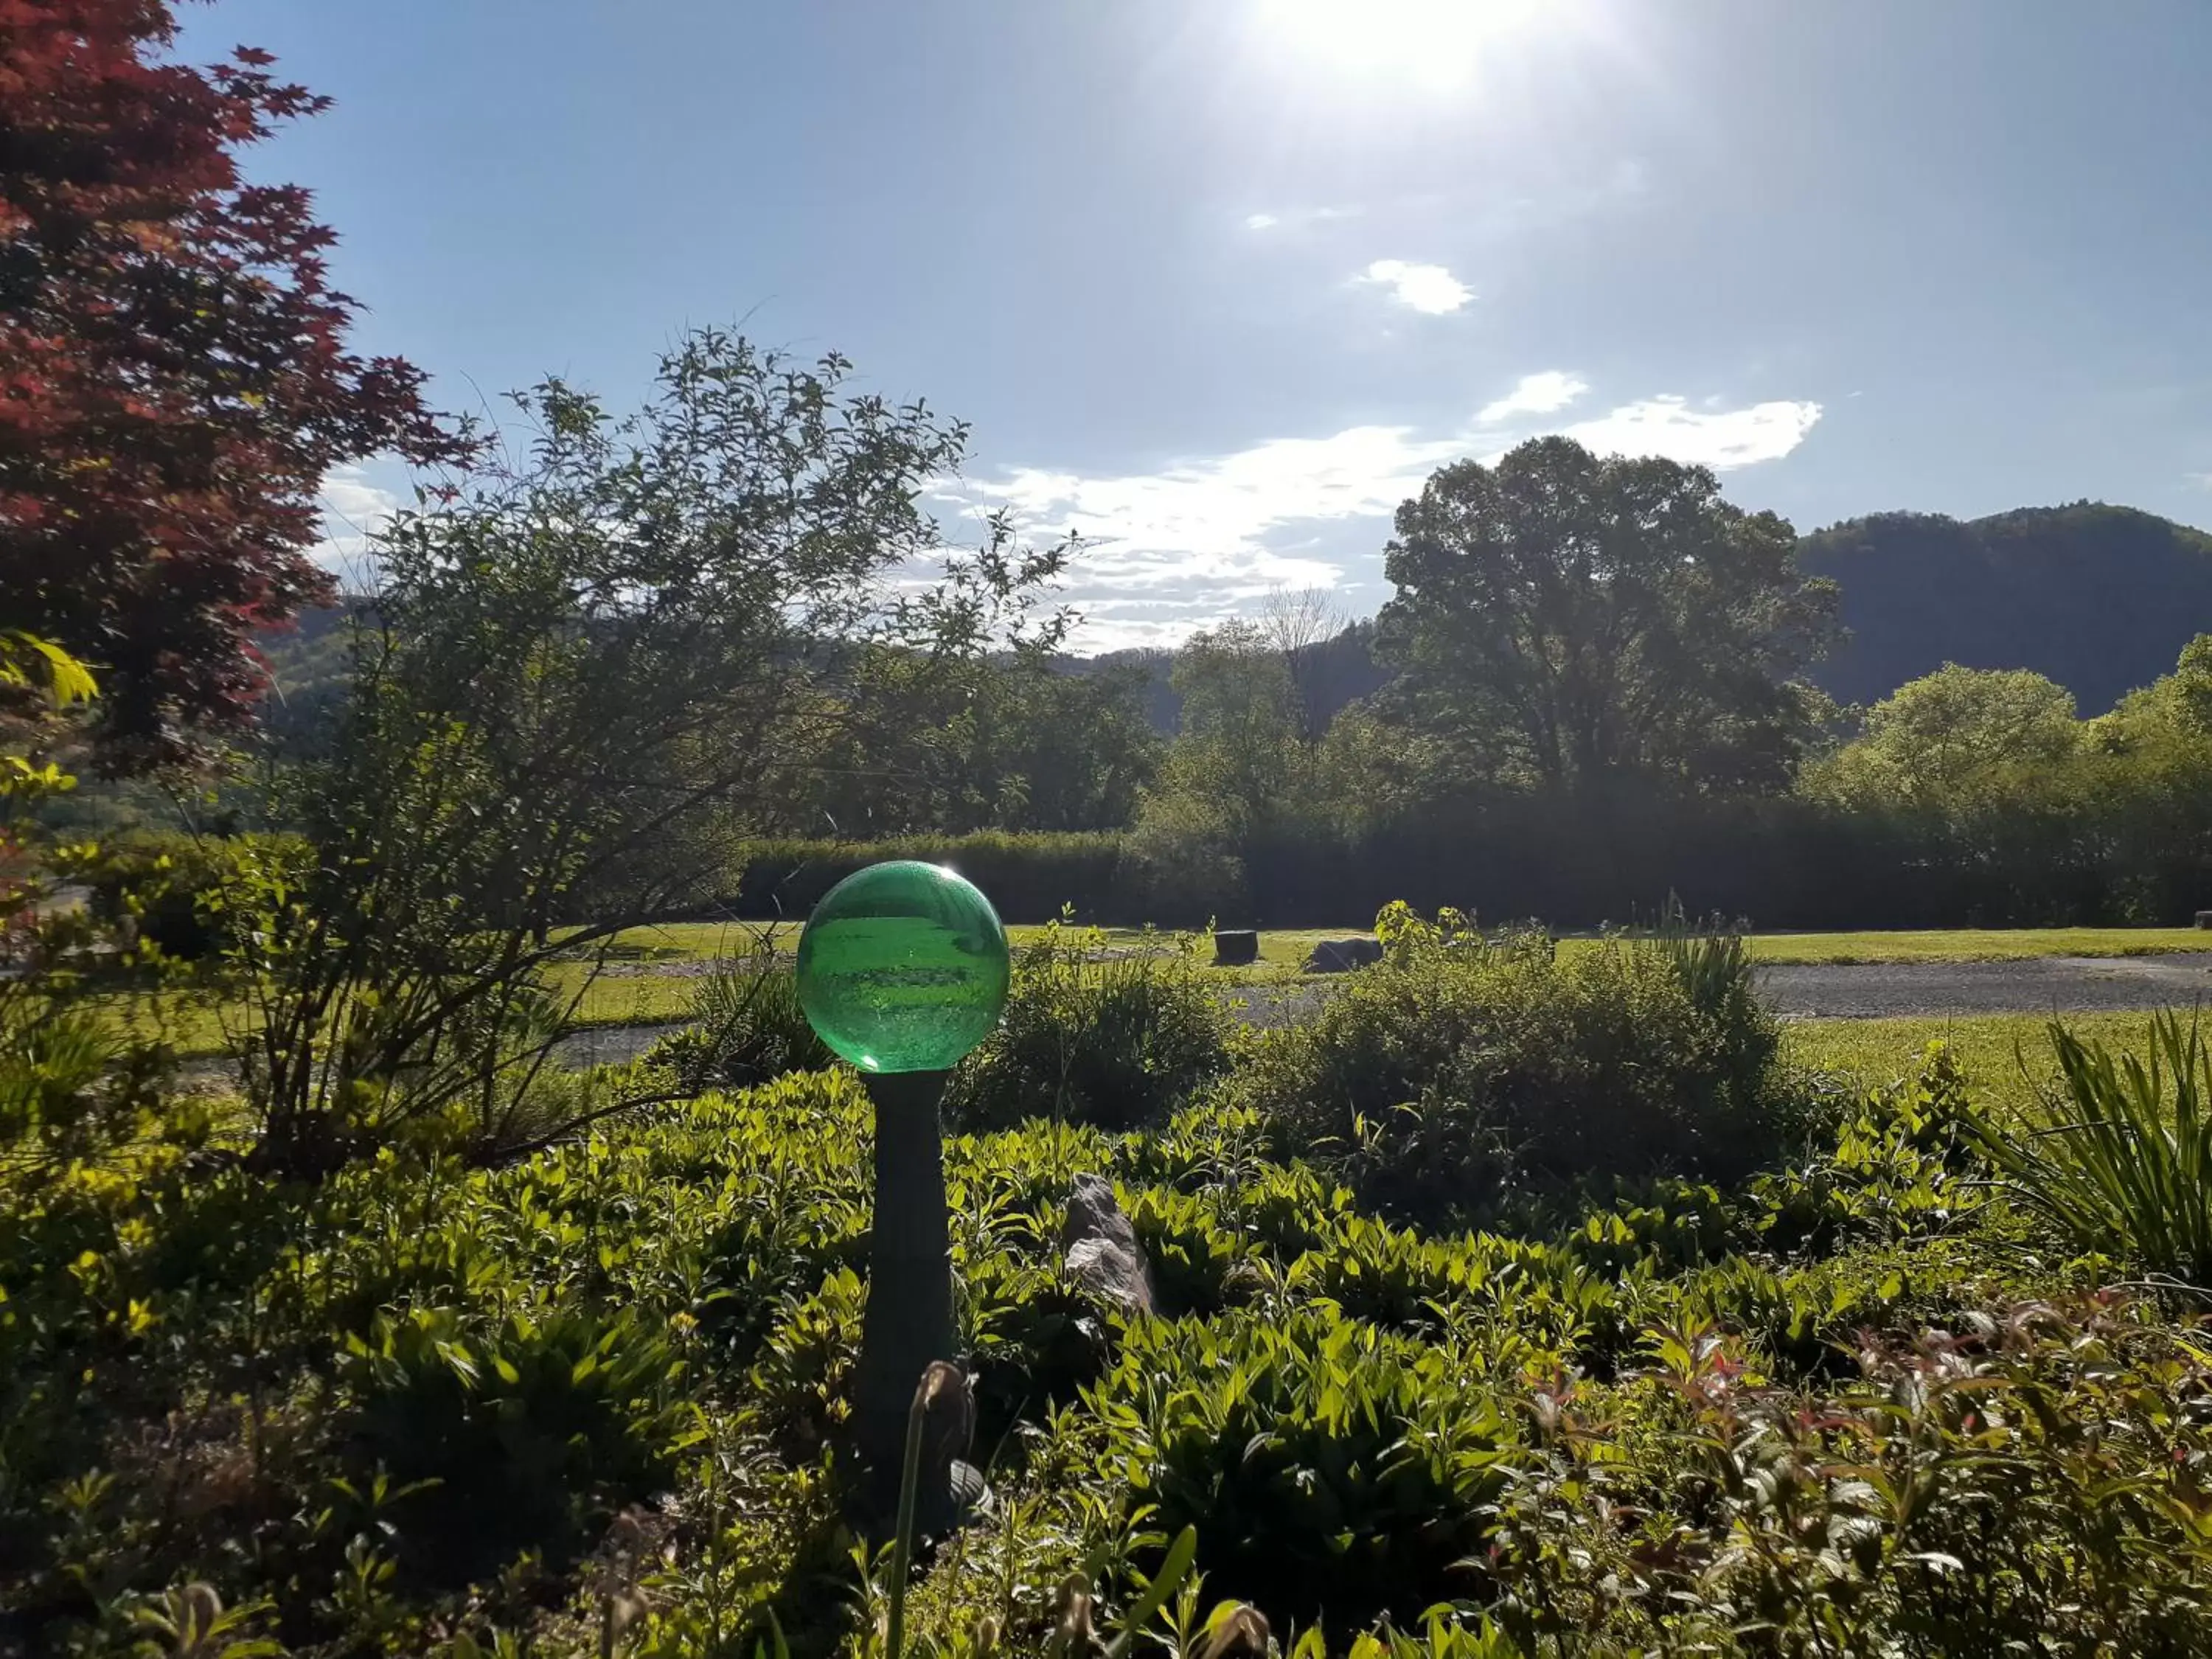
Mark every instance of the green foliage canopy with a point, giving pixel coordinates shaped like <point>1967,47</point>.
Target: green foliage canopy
<point>1561,616</point>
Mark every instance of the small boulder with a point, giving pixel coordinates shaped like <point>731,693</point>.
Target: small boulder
<point>1338,956</point>
<point>1235,947</point>
<point>1101,1247</point>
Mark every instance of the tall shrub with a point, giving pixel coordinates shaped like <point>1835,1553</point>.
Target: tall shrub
<point>578,685</point>
<point>1464,1065</point>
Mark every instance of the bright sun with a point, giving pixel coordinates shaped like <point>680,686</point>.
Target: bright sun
<point>1432,40</point>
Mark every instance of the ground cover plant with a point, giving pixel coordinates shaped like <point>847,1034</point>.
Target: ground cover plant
<point>1848,1388</point>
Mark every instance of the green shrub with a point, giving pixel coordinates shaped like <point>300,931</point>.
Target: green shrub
<point>1905,1164</point>
<point>1463,1068</point>
<point>2126,1168</point>
<point>170,885</point>
<point>1112,1042</point>
<point>1181,864</point>
<point>1952,1496</point>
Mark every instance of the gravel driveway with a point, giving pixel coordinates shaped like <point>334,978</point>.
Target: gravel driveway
<point>1882,990</point>
<point>2042,985</point>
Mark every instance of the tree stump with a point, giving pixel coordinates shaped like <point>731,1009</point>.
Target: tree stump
<point>1236,947</point>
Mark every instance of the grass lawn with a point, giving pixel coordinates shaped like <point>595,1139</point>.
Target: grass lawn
<point>197,1027</point>
<point>704,941</point>
<point>191,1023</point>
<point>2007,1057</point>
<point>1286,947</point>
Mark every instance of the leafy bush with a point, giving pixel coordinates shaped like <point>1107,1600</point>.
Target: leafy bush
<point>1181,863</point>
<point>744,1026</point>
<point>1906,1163</point>
<point>1115,1042</point>
<point>2126,1170</point>
<point>171,886</point>
<point>1464,1065</point>
<point>1949,1498</point>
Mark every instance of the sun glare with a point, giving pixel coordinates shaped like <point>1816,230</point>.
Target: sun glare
<point>1437,41</point>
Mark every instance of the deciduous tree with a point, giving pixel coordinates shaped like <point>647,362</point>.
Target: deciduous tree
<point>582,684</point>
<point>1563,616</point>
<point>1958,738</point>
<point>174,382</point>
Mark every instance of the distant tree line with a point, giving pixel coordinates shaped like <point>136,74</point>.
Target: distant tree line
<point>1592,686</point>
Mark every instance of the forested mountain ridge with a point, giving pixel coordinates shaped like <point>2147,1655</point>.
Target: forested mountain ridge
<point>2098,598</point>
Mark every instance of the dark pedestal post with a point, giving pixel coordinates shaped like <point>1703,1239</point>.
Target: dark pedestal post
<point>908,1319</point>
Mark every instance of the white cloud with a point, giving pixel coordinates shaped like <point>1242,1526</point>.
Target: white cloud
<point>1428,289</point>
<point>354,509</point>
<point>1537,394</point>
<point>1720,438</point>
<point>1297,218</point>
<point>1170,551</point>
<point>2201,480</point>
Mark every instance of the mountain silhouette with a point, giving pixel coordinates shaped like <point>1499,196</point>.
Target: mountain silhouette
<point>2100,599</point>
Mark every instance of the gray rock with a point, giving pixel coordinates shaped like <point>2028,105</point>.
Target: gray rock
<point>1338,955</point>
<point>1101,1247</point>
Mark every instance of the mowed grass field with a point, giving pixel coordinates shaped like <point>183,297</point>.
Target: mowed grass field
<point>2007,1057</point>
<point>1286,947</point>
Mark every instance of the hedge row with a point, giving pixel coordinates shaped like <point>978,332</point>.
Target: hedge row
<point>1780,863</point>
<point>1029,876</point>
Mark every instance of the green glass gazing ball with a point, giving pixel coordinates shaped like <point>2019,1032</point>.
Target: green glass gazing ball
<point>902,967</point>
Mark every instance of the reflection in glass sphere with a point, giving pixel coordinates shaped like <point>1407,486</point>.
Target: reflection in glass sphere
<point>902,967</point>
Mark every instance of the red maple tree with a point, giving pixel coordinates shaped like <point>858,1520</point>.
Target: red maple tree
<point>174,383</point>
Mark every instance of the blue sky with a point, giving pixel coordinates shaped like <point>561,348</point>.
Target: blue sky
<point>1219,282</point>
